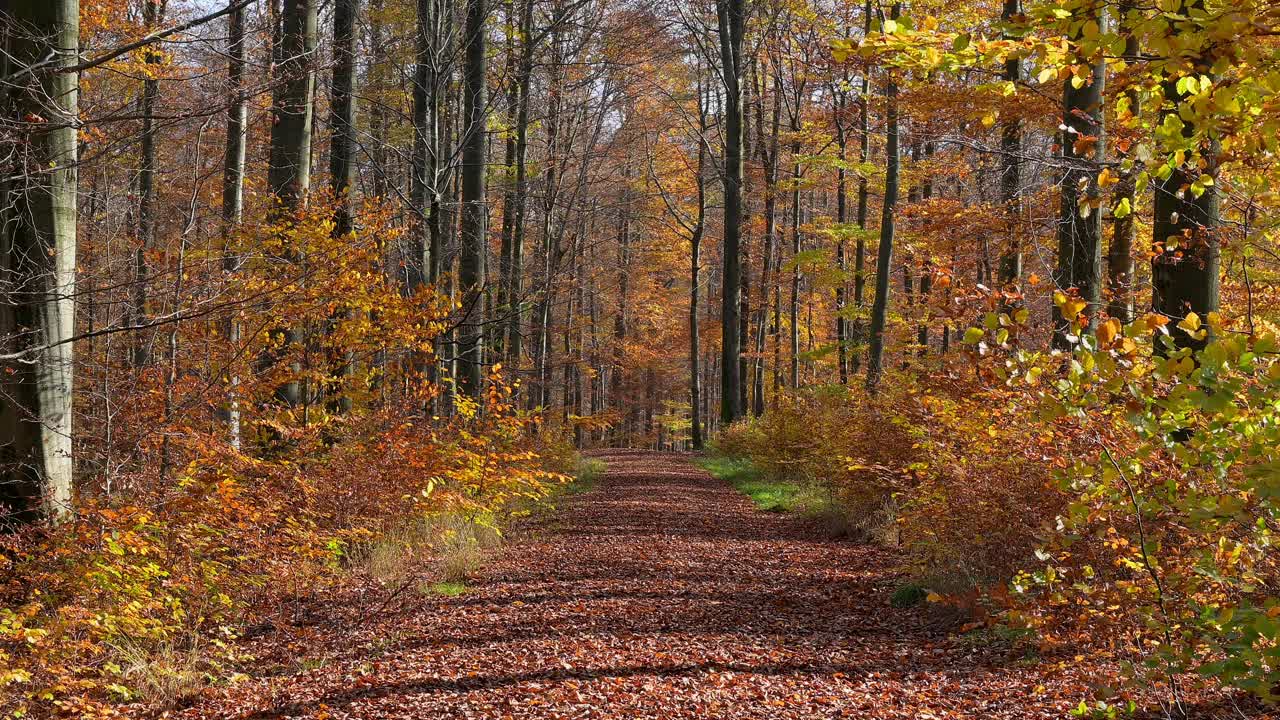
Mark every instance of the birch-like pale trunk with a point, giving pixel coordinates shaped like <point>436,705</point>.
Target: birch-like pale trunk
<point>233,198</point>
<point>38,251</point>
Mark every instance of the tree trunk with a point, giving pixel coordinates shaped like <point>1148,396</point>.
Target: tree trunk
<point>842,212</point>
<point>515,289</point>
<point>1080,214</point>
<point>695,258</point>
<point>289,173</point>
<point>471,279</point>
<point>864,192</point>
<point>233,198</point>
<point>769,159</point>
<point>730,21</point>
<point>884,255</point>
<point>342,166</point>
<point>421,162</point>
<point>1011,168</point>
<point>794,305</point>
<point>145,232</point>
<point>1120,266</point>
<point>38,252</point>
<point>1185,266</point>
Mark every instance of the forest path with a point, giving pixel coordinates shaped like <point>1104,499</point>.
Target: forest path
<point>662,593</point>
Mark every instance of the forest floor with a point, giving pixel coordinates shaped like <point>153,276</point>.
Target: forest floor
<point>661,593</point>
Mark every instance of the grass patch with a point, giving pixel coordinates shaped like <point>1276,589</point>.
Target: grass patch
<point>770,495</point>
<point>456,544</point>
<point>908,595</point>
<point>590,470</point>
<point>447,589</point>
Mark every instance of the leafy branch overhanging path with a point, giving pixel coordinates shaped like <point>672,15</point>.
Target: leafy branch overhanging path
<point>660,594</point>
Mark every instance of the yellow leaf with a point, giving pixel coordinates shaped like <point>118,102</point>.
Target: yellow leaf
<point>1072,307</point>
<point>1108,331</point>
<point>1155,321</point>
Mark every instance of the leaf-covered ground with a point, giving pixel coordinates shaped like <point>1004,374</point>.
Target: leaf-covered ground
<point>661,594</point>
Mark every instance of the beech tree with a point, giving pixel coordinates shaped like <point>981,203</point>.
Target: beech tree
<point>38,250</point>
<point>1079,266</point>
<point>884,254</point>
<point>731,19</point>
<point>289,171</point>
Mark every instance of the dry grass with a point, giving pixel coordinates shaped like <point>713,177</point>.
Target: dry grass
<point>456,544</point>
<point>166,676</point>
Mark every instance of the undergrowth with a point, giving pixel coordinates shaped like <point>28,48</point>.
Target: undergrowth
<point>142,599</point>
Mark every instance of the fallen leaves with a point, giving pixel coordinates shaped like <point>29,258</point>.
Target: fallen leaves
<point>662,594</point>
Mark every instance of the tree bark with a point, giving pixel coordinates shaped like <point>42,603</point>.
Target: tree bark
<point>38,251</point>
<point>342,166</point>
<point>695,259</point>
<point>1079,213</point>
<point>471,279</point>
<point>233,198</point>
<point>289,172</point>
<point>1185,243</point>
<point>842,216</point>
<point>857,332</point>
<point>1011,167</point>
<point>1124,235</point>
<point>884,254</point>
<point>730,20</point>
<point>145,230</point>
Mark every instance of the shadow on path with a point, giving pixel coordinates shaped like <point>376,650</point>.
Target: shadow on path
<point>662,593</point>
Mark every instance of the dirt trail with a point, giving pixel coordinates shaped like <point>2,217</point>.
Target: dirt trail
<point>662,593</point>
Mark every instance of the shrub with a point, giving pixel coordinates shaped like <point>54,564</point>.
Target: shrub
<point>142,595</point>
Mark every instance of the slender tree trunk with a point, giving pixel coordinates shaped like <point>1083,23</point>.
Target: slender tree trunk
<point>1080,213</point>
<point>796,246</point>
<point>289,172</point>
<point>695,258</point>
<point>620,317</point>
<point>864,192</point>
<point>422,159</point>
<point>145,232</point>
<point>233,199</point>
<point>342,166</point>
<point>38,252</point>
<point>769,159</point>
<point>515,327</point>
<point>884,255</point>
<point>842,212</point>
<point>1011,168</point>
<point>550,232</point>
<point>731,20</point>
<point>1120,265</point>
<point>1186,248</point>
<point>471,279</point>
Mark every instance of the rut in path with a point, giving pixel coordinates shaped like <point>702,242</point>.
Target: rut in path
<point>662,593</point>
